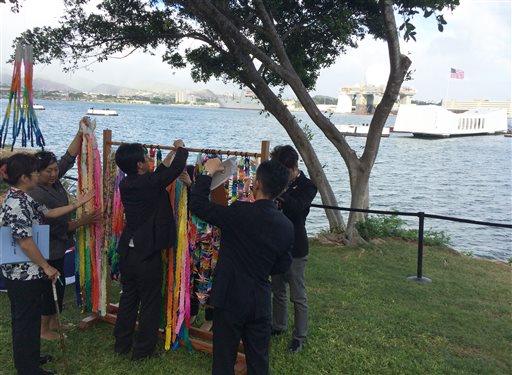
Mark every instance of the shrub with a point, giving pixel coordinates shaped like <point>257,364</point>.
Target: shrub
<point>382,226</point>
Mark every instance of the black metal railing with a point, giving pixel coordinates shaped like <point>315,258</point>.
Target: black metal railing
<point>421,223</point>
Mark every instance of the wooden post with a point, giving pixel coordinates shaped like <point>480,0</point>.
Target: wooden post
<point>92,319</point>
<point>107,148</point>
<point>265,150</point>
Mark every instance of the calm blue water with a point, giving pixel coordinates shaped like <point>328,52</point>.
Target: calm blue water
<point>468,177</point>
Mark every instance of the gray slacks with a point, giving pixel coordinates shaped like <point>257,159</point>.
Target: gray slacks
<point>294,277</point>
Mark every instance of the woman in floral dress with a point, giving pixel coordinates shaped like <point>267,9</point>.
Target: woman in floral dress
<point>25,281</point>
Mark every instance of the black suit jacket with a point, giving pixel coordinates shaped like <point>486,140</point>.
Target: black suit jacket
<point>256,242</point>
<point>149,216</point>
<point>295,202</point>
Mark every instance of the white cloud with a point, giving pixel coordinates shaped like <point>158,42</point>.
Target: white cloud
<point>477,39</point>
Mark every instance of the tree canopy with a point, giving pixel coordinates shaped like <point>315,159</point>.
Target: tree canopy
<point>313,33</point>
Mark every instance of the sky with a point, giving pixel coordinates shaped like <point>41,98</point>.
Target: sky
<point>477,40</point>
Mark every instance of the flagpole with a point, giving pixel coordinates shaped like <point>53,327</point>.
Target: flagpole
<point>443,102</point>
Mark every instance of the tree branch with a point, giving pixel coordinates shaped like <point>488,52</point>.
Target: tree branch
<point>393,42</point>
<point>291,77</point>
<point>274,37</point>
<point>226,27</point>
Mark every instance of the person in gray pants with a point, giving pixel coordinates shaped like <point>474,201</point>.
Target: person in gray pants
<point>295,202</point>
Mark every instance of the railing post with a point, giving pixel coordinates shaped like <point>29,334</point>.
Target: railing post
<point>265,150</point>
<point>419,273</point>
<point>421,225</point>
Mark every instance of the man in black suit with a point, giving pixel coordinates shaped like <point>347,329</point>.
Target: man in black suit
<point>256,242</point>
<point>149,229</point>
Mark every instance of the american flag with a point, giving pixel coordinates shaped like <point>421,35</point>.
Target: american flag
<point>456,73</point>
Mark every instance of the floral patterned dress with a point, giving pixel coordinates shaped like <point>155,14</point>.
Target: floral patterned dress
<point>20,212</point>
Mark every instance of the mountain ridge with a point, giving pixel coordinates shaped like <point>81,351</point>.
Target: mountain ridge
<point>151,89</point>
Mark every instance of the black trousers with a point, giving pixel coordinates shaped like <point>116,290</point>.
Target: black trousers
<point>228,329</point>
<point>48,301</point>
<point>142,283</point>
<point>25,297</point>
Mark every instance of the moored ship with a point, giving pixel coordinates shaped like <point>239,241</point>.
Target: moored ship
<point>359,130</point>
<point>245,100</point>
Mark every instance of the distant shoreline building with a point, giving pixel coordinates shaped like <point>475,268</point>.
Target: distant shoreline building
<point>362,99</point>
<point>184,97</point>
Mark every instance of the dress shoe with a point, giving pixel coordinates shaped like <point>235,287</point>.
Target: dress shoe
<point>118,349</point>
<point>295,346</point>
<point>44,359</point>
<point>142,357</point>
<point>41,371</point>
<point>277,332</point>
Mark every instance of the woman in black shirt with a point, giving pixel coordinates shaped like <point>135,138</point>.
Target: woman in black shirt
<point>52,194</point>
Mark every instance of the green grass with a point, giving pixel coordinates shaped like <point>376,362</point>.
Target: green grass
<point>365,318</point>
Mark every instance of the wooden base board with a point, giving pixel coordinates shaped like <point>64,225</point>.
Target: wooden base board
<point>200,340</point>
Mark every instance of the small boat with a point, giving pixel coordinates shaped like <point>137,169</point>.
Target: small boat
<point>359,130</point>
<point>430,121</point>
<point>101,112</point>
<point>39,107</point>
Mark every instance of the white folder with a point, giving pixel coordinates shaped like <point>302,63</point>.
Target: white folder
<point>10,250</point>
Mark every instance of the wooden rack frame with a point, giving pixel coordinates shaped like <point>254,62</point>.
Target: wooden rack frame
<point>108,143</point>
<point>200,340</point>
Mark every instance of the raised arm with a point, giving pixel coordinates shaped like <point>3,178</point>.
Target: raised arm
<point>168,159</point>
<point>76,143</point>
<point>168,171</point>
<point>201,206</point>
<point>67,161</point>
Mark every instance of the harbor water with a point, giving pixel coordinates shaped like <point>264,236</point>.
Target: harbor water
<point>467,177</point>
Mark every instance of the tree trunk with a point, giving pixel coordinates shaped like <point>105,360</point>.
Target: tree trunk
<point>359,188</point>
